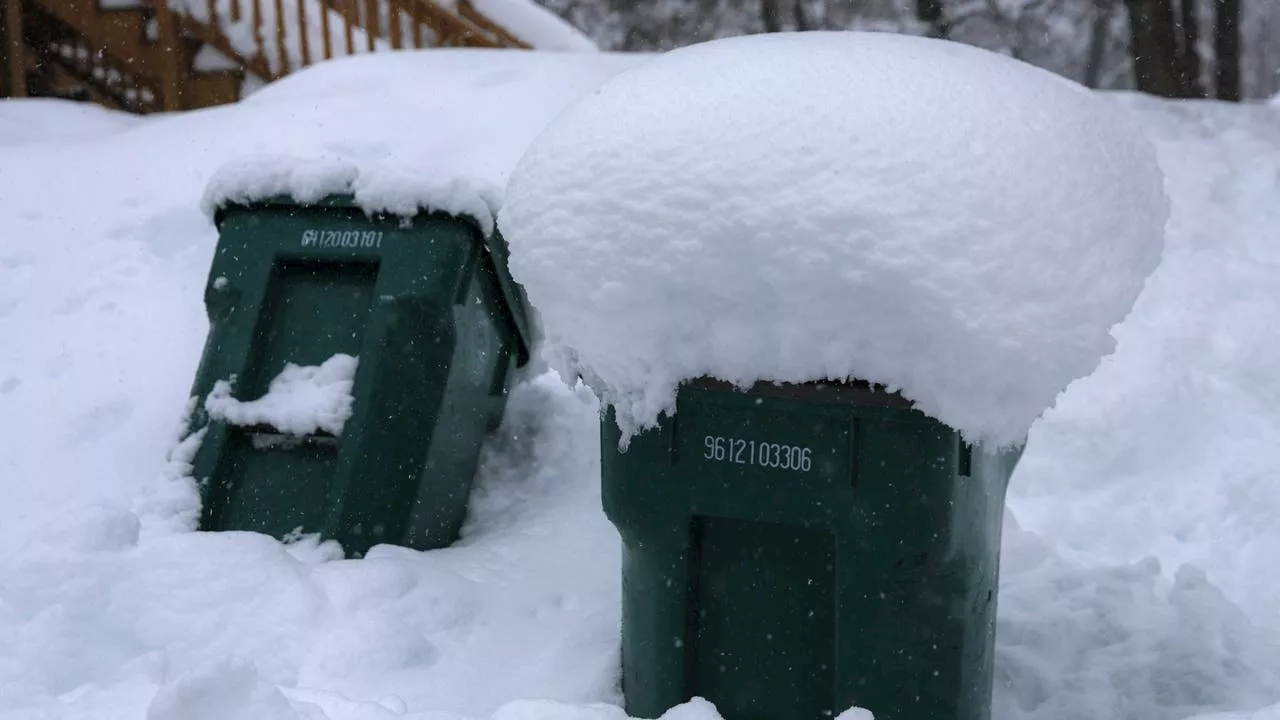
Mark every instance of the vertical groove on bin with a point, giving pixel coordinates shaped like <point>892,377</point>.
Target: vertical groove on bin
<point>694,579</point>
<point>855,442</point>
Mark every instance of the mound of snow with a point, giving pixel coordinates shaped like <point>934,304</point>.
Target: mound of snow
<point>224,688</point>
<point>1120,640</point>
<point>950,223</point>
<point>438,128</point>
<point>301,400</point>
<point>1194,369</point>
<point>28,121</point>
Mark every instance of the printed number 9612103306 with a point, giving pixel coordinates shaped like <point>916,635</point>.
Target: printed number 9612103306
<point>763,454</point>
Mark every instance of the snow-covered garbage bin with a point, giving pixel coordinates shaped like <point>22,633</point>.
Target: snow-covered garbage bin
<point>795,549</point>
<point>354,364</point>
<point>824,283</point>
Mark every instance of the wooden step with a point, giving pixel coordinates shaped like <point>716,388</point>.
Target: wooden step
<point>208,89</point>
<point>67,63</point>
<point>120,33</point>
<point>67,85</point>
<point>119,61</point>
<point>214,37</point>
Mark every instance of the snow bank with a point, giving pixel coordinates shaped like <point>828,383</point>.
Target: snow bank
<point>193,625</point>
<point>1077,641</point>
<point>434,128</point>
<point>36,120</point>
<point>1194,376</point>
<point>951,223</point>
<point>228,687</point>
<point>301,400</point>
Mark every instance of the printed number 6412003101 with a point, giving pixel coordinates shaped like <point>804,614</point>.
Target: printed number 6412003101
<point>750,452</point>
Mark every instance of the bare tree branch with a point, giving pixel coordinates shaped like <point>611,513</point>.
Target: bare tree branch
<point>1226,44</point>
<point>1100,28</point>
<point>771,15</point>
<point>930,13</point>
<point>801,19</point>
<point>1189,49</point>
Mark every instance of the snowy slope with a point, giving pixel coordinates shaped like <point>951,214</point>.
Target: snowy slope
<point>1195,372</point>
<point>111,608</point>
<point>38,120</point>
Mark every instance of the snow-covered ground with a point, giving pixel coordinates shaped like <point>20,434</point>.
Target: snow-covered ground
<point>1137,581</point>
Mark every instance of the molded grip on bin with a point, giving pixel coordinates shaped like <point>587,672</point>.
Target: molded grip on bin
<point>656,551</point>
<point>233,322</point>
<point>381,464</point>
<point>655,633</point>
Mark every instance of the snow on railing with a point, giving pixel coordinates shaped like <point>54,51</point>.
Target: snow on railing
<point>524,21</point>
<point>281,36</point>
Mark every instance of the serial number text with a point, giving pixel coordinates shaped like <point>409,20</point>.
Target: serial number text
<point>342,238</point>
<point>750,452</point>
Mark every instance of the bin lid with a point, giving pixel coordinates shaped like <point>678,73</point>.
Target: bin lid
<point>494,244</point>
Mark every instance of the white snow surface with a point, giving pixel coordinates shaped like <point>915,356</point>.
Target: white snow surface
<point>300,401</point>
<point>28,121</point>
<point>953,224</point>
<point>1138,571</point>
<point>436,128</point>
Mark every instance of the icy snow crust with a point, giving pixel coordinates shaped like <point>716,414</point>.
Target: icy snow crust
<point>300,401</point>
<point>1138,581</point>
<point>951,223</point>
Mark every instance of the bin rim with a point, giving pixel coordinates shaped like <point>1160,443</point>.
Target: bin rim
<point>827,391</point>
<point>848,392</point>
<point>494,244</point>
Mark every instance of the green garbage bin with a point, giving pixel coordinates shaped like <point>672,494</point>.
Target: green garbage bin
<point>437,328</point>
<point>794,550</point>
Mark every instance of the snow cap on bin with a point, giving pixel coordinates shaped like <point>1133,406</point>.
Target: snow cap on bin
<point>246,187</point>
<point>950,223</point>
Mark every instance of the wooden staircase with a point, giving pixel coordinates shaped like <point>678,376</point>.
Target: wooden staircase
<point>169,55</point>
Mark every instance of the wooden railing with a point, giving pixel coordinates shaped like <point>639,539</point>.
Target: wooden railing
<point>272,38</point>
<point>121,58</point>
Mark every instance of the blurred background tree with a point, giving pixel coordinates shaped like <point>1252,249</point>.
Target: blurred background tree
<point>1226,49</point>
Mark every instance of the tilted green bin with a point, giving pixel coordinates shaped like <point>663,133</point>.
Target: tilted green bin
<point>795,550</point>
<point>437,326</point>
